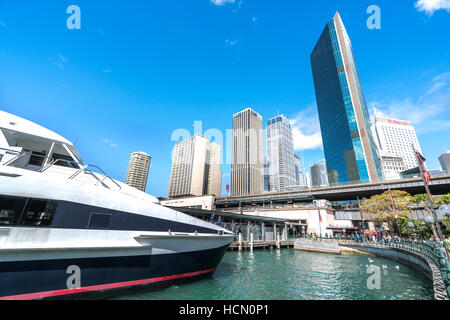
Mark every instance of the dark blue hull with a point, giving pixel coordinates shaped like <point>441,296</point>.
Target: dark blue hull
<point>105,276</point>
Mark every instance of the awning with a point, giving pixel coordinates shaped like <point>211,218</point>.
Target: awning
<point>370,233</point>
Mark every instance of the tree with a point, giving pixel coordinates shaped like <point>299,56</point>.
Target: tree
<point>422,199</point>
<point>380,208</point>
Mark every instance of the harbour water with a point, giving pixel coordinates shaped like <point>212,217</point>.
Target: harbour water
<point>297,275</point>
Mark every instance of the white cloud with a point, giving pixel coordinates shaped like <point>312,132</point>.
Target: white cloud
<point>231,42</point>
<point>222,2</point>
<point>429,112</point>
<point>103,32</point>
<point>60,61</point>
<point>430,6</point>
<point>306,130</point>
<point>111,143</point>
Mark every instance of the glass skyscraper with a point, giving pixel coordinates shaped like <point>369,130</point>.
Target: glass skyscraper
<point>350,151</point>
<point>280,153</point>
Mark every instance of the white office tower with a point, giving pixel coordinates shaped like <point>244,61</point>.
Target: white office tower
<point>247,168</point>
<point>280,151</point>
<point>319,176</point>
<point>395,139</point>
<point>195,168</point>
<point>137,172</point>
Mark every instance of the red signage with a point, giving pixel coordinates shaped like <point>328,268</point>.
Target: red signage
<point>404,123</point>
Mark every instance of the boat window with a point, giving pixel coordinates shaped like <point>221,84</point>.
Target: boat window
<point>10,210</point>
<point>64,161</point>
<point>38,213</point>
<point>99,221</point>
<point>36,158</point>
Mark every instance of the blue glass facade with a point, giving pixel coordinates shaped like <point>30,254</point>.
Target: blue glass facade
<point>347,161</point>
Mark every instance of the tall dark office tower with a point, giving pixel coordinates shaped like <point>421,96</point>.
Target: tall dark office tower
<point>350,152</point>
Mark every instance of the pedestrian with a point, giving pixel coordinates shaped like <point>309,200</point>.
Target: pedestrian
<point>219,222</point>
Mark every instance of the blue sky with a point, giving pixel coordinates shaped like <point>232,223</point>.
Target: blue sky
<point>136,71</point>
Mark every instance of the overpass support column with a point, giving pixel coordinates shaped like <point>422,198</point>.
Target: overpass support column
<point>263,235</point>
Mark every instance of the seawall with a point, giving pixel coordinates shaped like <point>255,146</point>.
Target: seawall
<point>417,261</point>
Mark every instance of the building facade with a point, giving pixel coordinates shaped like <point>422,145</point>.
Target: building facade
<point>200,202</point>
<point>350,151</point>
<point>137,172</point>
<point>247,168</point>
<point>266,174</point>
<point>396,138</point>
<point>280,152</point>
<point>392,166</point>
<point>195,168</point>
<point>444,159</point>
<point>319,175</point>
<point>301,177</point>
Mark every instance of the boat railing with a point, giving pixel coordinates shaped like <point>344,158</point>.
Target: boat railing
<point>70,164</point>
<point>55,161</point>
<point>99,181</point>
<point>17,157</point>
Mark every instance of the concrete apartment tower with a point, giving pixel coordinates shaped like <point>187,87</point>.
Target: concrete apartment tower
<point>247,168</point>
<point>137,172</point>
<point>280,151</point>
<point>195,168</point>
<point>350,151</point>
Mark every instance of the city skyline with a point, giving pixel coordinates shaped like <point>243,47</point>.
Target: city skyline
<point>116,100</point>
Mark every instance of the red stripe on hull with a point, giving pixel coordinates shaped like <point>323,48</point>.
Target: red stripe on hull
<point>53,293</point>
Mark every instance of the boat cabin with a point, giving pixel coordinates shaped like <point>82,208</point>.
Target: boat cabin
<point>27,145</point>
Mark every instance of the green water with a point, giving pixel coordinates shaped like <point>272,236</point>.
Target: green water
<point>290,274</point>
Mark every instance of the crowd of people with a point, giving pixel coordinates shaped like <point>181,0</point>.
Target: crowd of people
<point>380,238</point>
